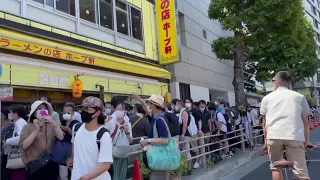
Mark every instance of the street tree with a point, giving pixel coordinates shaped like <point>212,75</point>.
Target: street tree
<point>266,32</point>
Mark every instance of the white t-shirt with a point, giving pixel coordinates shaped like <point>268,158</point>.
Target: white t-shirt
<point>86,155</point>
<point>111,126</point>
<point>283,109</point>
<point>18,126</point>
<point>220,118</point>
<point>77,116</point>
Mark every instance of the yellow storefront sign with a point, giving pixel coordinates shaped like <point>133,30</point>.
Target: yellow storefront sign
<point>167,31</point>
<point>13,41</point>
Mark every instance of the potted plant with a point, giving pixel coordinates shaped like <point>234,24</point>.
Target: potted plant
<point>176,174</point>
<point>144,170</point>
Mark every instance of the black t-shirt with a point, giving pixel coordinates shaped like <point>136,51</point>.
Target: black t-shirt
<point>205,117</point>
<point>67,136</point>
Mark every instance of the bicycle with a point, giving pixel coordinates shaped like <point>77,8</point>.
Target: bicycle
<point>285,166</point>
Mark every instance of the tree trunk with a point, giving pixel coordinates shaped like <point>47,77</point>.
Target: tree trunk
<point>238,76</point>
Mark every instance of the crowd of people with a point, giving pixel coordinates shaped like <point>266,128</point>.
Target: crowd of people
<point>91,141</point>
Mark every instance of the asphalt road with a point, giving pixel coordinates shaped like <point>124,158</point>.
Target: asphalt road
<point>263,173</point>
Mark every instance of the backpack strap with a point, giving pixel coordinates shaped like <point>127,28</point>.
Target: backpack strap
<point>99,136</point>
<point>137,121</point>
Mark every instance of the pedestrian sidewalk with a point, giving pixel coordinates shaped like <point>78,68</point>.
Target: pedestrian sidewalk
<point>226,166</point>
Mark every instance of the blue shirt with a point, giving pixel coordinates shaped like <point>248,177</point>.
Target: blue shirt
<point>221,109</point>
<point>161,127</point>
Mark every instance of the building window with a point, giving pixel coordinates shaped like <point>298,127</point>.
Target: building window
<point>318,37</point>
<point>122,17</point>
<point>106,14</point>
<point>87,10</point>
<point>315,23</point>
<point>318,77</point>
<point>314,10</point>
<point>136,23</point>
<point>184,91</point>
<point>204,33</point>
<point>66,6</point>
<point>101,12</point>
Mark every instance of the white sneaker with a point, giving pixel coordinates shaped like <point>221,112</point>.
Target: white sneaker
<point>196,165</point>
<point>230,153</point>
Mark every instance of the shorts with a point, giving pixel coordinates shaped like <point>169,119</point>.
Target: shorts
<point>295,152</point>
<point>223,135</point>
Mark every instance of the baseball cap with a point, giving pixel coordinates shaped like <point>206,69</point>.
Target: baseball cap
<point>92,102</point>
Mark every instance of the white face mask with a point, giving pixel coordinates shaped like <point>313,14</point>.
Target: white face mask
<point>107,111</point>
<point>216,103</point>
<point>176,108</point>
<point>202,109</point>
<point>188,105</point>
<point>67,116</point>
<point>10,116</point>
<point>119,114</point>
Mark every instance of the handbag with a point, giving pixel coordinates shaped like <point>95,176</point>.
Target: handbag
<point>121,145</point>
<point>163,157</point>
<point>41,161</point>
<point>14,158</point>
<point>61,151</point>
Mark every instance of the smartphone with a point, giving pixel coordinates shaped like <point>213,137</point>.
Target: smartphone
<point>43,113</point>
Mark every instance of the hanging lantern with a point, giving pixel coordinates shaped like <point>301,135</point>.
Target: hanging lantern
<point>168,98</point>
<point>77,88</point>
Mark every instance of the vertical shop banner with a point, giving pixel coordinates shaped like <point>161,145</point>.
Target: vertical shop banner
<point>167,31</point>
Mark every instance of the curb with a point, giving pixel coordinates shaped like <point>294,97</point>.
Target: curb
<point>224,168</point>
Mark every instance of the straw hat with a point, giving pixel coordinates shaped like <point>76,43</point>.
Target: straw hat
<point>157,100</point>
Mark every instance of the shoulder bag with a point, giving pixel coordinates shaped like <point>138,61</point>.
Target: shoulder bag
<point>14,157</point>
<point>41,161</point>
<point>121,145</point>
<point>163,157</point>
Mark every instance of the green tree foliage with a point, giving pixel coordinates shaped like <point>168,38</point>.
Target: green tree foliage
<point>273,34</point>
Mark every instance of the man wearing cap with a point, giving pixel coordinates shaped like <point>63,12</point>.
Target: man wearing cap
<point>154,107</point>
<point>89,161</point>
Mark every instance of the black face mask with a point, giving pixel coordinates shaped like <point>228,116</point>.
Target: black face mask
<point>86,117</point>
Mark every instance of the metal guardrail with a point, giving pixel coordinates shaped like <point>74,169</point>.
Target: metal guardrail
<point>239,133</point>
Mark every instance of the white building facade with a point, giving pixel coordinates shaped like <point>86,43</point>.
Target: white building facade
<point>200,74</point>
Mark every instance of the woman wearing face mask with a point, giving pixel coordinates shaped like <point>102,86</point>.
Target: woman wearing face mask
<point>36,140</point>
<point>66,125</point>
<point>121,135</point>
<point>244,120</point>
<point>17,113</point>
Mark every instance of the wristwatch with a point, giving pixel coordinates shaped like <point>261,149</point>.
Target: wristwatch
<point>149,141</point>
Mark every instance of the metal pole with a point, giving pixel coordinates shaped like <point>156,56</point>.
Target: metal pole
<point>243,147</point>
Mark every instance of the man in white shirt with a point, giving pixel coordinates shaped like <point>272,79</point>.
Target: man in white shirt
<point>90,159</point>
<point>286,125</point>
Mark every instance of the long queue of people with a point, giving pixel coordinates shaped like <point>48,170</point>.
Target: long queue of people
<point>94,142</point>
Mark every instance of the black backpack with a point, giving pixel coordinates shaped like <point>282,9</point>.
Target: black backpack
<point>228,124</point>
<point>173,123</point>
<point>99,134</point>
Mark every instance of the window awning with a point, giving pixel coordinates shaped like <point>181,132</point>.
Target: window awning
<point>17,41</point>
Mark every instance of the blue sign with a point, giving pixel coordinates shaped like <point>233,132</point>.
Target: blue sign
<point>0,70</point>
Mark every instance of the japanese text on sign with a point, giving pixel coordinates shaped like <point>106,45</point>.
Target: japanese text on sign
<point>167,31</point>
<point>31,48</point>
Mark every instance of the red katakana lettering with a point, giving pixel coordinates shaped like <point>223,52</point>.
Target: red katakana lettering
<point>168,49</point>
<point>56,53</point>
<point>85,58</point>
<point>5,42</point>
<point>27,48</point>
<point>167,41</point>
<point>47,52</point>
<point>16,45</point>
<point>166,26</point>
<point>164,4</point>
<point>91,60</point>
<point>69,56</point>
<point>38,50</point>
<point>165,14</point>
